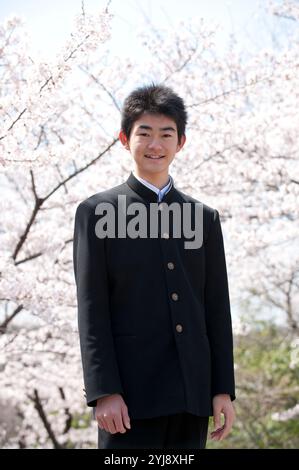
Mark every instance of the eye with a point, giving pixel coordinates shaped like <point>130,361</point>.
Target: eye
<point>167,135</point>
<point>143,134</point>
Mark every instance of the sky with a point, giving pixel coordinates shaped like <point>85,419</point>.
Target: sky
<point>49,23</point>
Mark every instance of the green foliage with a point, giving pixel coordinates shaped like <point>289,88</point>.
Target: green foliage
<point>267,381</point>
<point>80,421</point>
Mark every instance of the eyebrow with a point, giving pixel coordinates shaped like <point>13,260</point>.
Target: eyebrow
<point>168,128</point>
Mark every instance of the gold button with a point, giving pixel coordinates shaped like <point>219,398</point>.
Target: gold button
<point>174,296</point>
<point>170,265</point>
<point>165,235</point>
<point>179,328</point>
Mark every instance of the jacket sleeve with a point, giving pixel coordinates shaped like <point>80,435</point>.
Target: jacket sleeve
<point>100,368</point>
<point>218,316</point>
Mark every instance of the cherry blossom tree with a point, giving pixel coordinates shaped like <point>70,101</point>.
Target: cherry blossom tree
<point>42,151</point>
<point>58,145</point>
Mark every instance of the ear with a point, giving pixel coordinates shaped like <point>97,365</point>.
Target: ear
<point>123,138</point>
<point>181,145</point>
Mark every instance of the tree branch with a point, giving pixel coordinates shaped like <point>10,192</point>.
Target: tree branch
<point>4,325</point>
<point>39,408</point>
<point>40,201</point>
<point>69,419</point>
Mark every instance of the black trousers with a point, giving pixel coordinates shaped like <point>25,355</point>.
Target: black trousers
<point>178,431</point>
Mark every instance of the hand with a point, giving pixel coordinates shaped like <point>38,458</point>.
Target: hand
<point>222,404</point>
<point>112,414</point>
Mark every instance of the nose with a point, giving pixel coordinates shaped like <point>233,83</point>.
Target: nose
<point>155,144</point>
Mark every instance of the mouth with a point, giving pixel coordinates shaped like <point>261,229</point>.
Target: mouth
<point>155,157</point>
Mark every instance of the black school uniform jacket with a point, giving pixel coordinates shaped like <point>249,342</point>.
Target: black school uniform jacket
<point>154,317</point>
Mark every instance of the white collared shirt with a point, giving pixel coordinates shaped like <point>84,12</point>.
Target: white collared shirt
<point>160,192</point>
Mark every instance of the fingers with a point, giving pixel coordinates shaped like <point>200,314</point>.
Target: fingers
<point>114,423</point>
<point>105,423</point>
<point>100,423</point>
<point>112,414</point>
<point>228,424</point>
<point>218,429</point>
<point>229,421</point>
<point>217,434</point>
<point>125,417</point>
<point>110,424</point>
<point>222,432</point>
<point>217,418</point>
<point>119,425</point>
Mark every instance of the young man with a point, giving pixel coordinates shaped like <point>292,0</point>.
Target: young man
<point>154,313</point>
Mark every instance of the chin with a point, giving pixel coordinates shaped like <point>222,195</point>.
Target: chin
<point>155,170</point>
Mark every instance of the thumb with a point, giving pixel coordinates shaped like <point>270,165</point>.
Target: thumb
<point>125,417</point>
<point>217,419</point>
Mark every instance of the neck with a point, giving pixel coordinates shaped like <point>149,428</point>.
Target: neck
<point>159,179</point>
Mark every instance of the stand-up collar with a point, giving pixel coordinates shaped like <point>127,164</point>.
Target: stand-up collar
<point>159,191</point>
<point>148,194</point>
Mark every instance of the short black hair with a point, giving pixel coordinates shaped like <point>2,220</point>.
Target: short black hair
<point>153,99</point>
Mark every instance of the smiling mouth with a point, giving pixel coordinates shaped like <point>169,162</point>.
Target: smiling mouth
<point>151,157</point>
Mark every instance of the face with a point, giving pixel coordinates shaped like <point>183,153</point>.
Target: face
<point>153,144</point>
